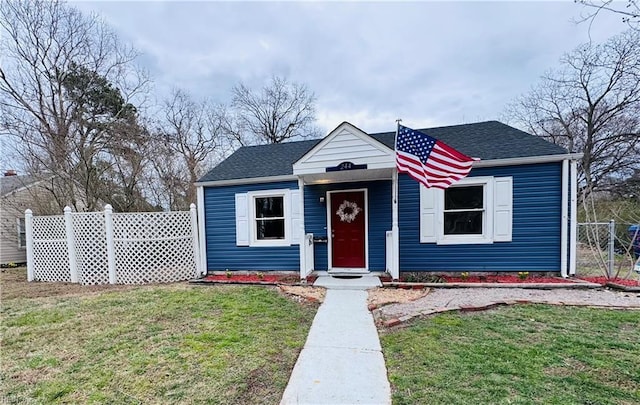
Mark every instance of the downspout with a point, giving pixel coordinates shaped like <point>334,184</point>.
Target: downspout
<point>201,230</point>
<point>395,234</point>
<point>564,218</point>
<point>395,263</point>
<point>303,240</point>
<point>574,218</point>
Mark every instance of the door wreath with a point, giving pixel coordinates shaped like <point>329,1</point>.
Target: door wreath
<point>348,211</point>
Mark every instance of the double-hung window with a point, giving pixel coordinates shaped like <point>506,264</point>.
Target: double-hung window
<point>473,211</point>
<point>464,210</point>
<point>268,218</point>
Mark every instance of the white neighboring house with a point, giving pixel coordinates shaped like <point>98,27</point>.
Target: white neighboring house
<point>17,193</point>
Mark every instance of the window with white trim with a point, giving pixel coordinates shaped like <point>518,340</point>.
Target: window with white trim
<point>473,211</point>
<point>268,218</point>
<point>22,234</point>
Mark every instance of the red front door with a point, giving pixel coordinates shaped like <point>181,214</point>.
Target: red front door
<point>348,219</point>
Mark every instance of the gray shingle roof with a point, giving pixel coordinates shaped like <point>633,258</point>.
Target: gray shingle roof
<point>487,140</point>
<point>9,184</point>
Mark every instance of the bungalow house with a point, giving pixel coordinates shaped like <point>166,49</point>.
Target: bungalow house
<point>339,205</point>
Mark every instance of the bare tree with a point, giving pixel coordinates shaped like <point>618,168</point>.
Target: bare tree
<point>66,92</point>
<point>127,164</point>
<point>281,111</point>
<point>629,10</point>
<point>192,140</point>
<point>591,104</point>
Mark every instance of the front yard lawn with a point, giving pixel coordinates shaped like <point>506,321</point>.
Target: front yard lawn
<point>153,344</point>
<point>528,354</point>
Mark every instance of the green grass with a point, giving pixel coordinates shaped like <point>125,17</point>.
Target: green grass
<point>529,354</point>
<point>172,344</point>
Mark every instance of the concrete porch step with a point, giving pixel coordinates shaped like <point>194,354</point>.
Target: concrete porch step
<point>347,282</point>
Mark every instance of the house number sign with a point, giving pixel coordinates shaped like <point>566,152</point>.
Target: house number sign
<point>345,166</point>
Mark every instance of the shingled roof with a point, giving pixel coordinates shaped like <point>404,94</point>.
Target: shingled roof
<point>10,184</point>
<point>486,140</point>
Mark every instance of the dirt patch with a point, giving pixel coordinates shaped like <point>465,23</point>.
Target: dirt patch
<point>13,284</point>
<point>377,297</point>
<point>308,293</point>
<point>565,370</point>
<point>384,296</point>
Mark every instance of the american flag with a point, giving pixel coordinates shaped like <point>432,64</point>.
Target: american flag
<point>428,160</point>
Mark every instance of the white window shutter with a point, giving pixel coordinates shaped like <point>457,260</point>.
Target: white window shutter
<point>296,217</point>
<point>428,214</point>
<point>502,209</point>
<point>242,219</point>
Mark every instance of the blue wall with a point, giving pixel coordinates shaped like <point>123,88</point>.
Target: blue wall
<point>536,227</point>
<point>220,230</point>
<point>379,203</point>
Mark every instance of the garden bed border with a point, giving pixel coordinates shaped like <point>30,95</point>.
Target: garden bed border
<point>572,284</point>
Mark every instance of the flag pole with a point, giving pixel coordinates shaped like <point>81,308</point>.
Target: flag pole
<point>395,236</point>
<point>395,148</point>
<point>395,140</point>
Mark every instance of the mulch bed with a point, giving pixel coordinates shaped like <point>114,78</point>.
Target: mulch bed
<point>255,279</point>
<point>619,281</point>
<point>274,279</point>
<point>505,279</point>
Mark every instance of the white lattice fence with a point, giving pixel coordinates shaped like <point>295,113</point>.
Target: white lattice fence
<point>160,241</point>
<point>51,258</point>
<point>102,247</point>
<point>90,245</point>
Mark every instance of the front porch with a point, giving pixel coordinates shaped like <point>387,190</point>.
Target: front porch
<point>339,247</point>
<point>348,188</point>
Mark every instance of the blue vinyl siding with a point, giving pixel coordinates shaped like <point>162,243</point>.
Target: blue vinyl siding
<point>535,245</point>
<point>379,204</point>
<point>220,230</point>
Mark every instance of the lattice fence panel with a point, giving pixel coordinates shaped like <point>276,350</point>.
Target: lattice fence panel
<point>91,247</point>
<point>153,247</point>
<point>51,257</point>
<point>147,247</point>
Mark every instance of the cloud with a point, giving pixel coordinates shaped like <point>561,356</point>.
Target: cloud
<point>434,63</point>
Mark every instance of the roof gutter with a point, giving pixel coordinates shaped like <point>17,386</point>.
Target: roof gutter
<point>528,160</point>
<point>27,186</point>
<point>233,182</point>
<point>480,163</point>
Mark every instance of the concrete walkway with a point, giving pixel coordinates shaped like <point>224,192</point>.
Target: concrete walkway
<point>341,362</point>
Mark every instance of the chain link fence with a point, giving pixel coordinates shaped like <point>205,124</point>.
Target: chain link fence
<point>606,249</point>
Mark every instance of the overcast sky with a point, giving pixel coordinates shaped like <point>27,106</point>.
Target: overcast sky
<point>429,63</point>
